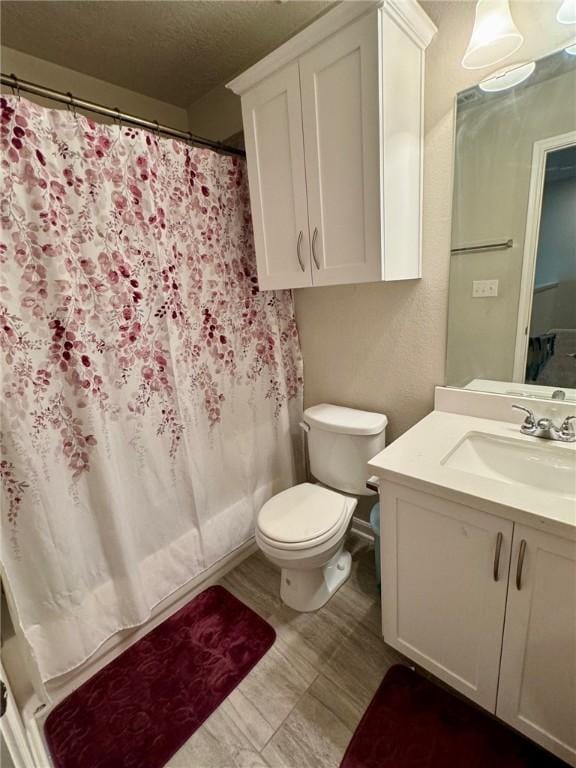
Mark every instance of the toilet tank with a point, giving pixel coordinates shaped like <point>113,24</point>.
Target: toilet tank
<point>341,441</point>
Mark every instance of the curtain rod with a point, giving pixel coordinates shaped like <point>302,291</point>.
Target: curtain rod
<point>151,125</point>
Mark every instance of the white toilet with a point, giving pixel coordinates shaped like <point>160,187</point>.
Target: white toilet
<point>302,530</point>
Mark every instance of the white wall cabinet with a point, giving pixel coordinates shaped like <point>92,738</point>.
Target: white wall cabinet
<point>485,604</point>
<point>333,130</point>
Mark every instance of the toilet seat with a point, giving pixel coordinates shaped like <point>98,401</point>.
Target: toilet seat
<point>303,517</point>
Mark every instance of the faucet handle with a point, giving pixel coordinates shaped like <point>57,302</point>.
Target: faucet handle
<point>566,428</point>
<point>530,420</point>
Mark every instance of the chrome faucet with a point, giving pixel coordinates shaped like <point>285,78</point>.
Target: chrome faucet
<point>545,428</point>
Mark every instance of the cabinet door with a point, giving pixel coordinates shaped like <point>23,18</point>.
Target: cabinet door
<point>271,113</point>
<point>444,579</point>
<point>340,97</point>
<point>537,693</point>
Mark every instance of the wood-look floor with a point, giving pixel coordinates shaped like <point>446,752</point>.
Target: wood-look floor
<point>299,706</point>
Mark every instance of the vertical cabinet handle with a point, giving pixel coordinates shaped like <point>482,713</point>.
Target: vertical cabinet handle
<point>298,253</point>
<point>499,540</point>
<point>521,554</point>
<point>314,254</point>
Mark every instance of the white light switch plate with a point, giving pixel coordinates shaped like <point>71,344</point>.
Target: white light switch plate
<point>484,288</point>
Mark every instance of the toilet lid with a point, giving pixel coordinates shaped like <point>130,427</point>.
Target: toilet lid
<point>302,513</point>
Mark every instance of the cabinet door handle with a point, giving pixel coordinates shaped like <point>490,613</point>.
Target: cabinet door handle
<point>499,540</point>
<point>314,254</point>
<point>298,246</point>
<point>521,554</point>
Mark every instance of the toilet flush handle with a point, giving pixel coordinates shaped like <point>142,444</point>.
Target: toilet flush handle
<point>304,426</point>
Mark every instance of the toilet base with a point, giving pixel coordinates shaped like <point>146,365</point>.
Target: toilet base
<point>309,589</point>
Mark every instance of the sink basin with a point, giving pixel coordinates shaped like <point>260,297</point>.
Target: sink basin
<point>545,466</point>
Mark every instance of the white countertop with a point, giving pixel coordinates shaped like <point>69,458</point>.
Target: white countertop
<point>415,459</point>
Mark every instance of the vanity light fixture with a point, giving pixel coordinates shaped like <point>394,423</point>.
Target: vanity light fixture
<point>507,78</point>
<point>567,12</point>
<point>494,37</point>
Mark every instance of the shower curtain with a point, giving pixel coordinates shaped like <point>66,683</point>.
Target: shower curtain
<point>150,393</point>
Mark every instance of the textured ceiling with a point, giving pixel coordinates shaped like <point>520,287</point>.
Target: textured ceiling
<point>173,51</point>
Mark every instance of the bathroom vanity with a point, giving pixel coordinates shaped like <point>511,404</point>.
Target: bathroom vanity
<point>478,549</point>
<point>478,519</point>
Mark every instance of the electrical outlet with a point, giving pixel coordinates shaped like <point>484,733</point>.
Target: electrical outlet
<point>482,289</point>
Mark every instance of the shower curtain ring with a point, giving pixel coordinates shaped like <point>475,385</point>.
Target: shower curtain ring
<point>157,124</point>
<point>119,117</point>
<point>71,104</point>
<point>16,86</point>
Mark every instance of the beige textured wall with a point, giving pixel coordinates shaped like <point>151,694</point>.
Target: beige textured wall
<point>60,78</point>
<point>217,115</point>
<point>382,346</point>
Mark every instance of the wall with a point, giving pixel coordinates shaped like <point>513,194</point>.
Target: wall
<point>556,250</point>
<point>217,115</point>
<point>556,263</point>
<point>494,145</point>
<point>43,72</point>
<point>544,305</point>
<point>378,346</point>
<point>382,346</point>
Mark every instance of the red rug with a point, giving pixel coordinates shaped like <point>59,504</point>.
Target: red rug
<point>141,708</point>
<point>412,723</point>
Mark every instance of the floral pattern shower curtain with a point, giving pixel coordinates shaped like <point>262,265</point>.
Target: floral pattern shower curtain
<point>150,393</point>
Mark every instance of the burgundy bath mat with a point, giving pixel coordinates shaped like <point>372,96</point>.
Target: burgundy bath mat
<point>412,723</point>
<point>141,708</point>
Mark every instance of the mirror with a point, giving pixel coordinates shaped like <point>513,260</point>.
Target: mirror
<point>512,294</point>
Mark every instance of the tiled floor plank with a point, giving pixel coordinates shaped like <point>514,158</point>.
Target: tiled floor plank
<point>299,706</point>
<point>312,736</point>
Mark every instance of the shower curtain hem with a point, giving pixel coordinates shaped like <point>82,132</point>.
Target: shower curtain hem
<point>193,582</point>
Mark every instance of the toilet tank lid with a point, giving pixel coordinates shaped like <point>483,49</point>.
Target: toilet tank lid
<point>346,421</point>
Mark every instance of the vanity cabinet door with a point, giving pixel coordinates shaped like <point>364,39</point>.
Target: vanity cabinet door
<point>444,580</point>
<point>537,693</point>
<point>340,97</point>
<point>272,117</point>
